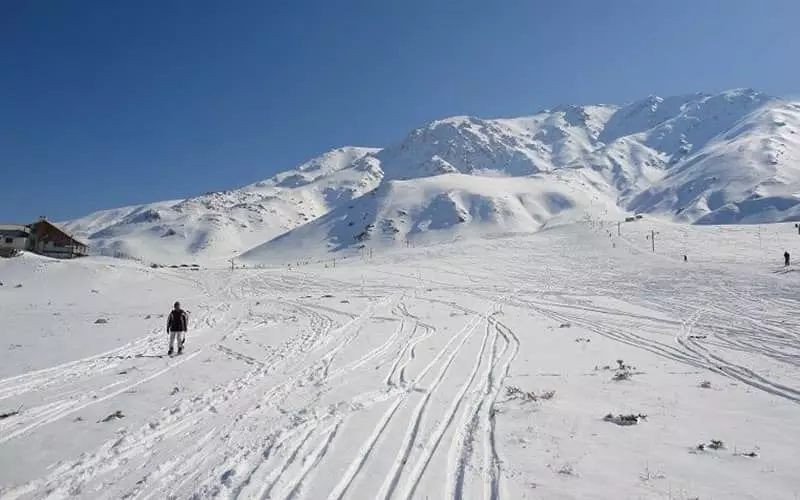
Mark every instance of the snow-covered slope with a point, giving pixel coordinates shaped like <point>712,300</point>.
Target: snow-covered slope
<point>482,369</point>
<point>221,224</point>
<point>748,173</point>
<point>438,209</point>
<point>701,158</point>
<point>515,147</point>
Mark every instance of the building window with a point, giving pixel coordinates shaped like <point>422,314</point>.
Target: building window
<point>9,240</point>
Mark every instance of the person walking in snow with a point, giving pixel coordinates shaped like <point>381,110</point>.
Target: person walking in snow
<point>177,324</point>
<point>785,258</point>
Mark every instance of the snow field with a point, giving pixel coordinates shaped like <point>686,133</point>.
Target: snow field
<point>391,379</point>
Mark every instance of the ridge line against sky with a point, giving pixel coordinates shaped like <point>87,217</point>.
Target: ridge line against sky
<point>107,104</point>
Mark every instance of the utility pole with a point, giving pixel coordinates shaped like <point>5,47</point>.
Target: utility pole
<point>653,239</point>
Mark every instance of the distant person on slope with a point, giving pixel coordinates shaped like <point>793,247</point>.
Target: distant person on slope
<point>177,324</point>
<point>785,258</point>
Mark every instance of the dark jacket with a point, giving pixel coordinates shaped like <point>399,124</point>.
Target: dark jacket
<point>178,321</point>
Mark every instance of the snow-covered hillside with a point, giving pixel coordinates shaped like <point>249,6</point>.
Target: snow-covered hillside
<point>748,173</point>
<point>220,225</point>
<point>437,209</point>
<point>729,157</point>
<point>573,363</point>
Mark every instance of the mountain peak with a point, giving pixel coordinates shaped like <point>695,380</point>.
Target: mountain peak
<point>454,121</point>
<point>745,92</point>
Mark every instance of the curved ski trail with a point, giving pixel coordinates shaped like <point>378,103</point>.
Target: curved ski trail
<point>393,478</point>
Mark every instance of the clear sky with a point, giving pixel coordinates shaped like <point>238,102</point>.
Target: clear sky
<point>110,103</point>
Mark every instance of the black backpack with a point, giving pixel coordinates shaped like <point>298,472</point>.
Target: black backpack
<point>178,321</point>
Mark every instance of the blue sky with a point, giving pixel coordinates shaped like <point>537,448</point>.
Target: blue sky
<point>111,103</point>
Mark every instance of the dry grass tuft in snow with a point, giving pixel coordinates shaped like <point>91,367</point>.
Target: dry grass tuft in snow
<point>566,469</point>
<point>11,413</point>
<point>714,444</point>
<point>621,372</point>
<point>717,445</point>
<point>513,392</point>
<point>622,375</point>
<point>649,475</point>
<point>114,416</point>
<point>624,420</point>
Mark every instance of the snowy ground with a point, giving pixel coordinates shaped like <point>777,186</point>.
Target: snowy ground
<point>391,378</point>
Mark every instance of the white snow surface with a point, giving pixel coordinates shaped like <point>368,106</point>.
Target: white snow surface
<point>219,225</point>
<point>430,210</point>
<point>394,376</point>
<point>727,158</point>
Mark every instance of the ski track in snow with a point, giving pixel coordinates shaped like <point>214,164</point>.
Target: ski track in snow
<point>283,424</point>
<point>72,378</point>
<point>314,373</point>
<point>688,350</point>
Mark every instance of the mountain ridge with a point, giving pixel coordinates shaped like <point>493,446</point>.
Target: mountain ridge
<point>698,158</point>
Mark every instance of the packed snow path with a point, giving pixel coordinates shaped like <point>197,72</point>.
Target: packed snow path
<point>395,379</point>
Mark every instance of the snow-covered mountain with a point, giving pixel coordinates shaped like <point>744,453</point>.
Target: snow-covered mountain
<point>223,224</point>
<point>699,158</point>
<point>437,209</point>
